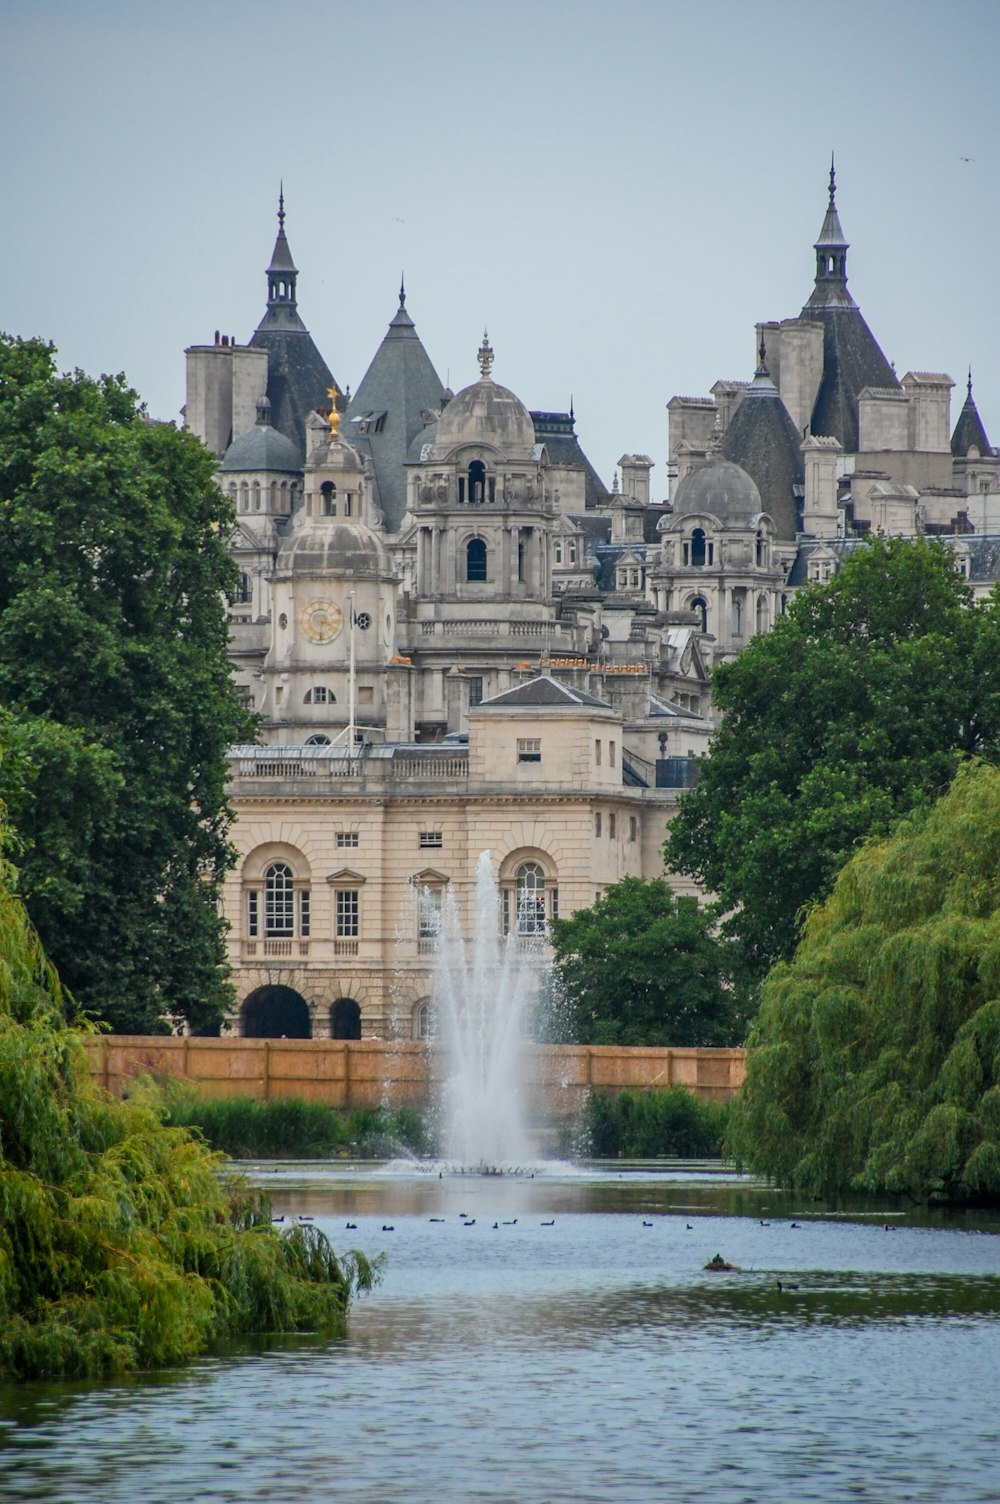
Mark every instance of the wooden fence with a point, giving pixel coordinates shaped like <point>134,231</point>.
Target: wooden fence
<point>554,1079</point>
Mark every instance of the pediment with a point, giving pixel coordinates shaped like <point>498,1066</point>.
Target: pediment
<point>429,878</point>
<point>346,877</point>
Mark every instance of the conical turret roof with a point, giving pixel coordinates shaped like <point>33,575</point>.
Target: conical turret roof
<point>298,378</point>
<point>762,439</point>
<point>390,408</point>
<point>852,358</point>
<point>969,431</point>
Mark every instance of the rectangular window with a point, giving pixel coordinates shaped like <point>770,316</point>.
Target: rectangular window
<point>597,752</point>
<point>611,754</point>
<point>597,823</point>
<point>633,827</point>
<point>304,913</point>
<point>253,913</point>
<point>612,827</point>
<point>475,691</point>
<point>529,749</point>
<point>429,913</point>
<point>431,838</point>
<point>346,838</point>
<point>347,913</point>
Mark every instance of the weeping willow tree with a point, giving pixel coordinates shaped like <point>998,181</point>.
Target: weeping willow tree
<point>120,1245</point>
<point>874,1063</point>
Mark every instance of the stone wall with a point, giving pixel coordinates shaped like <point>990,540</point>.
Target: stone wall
<point>375,1072</point>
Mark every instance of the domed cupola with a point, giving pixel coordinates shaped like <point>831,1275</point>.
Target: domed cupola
<point>722,489</point>
<point>262,447</point>
<point>486,414</point>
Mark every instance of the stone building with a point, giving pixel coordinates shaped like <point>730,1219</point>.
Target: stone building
<point>458,639</point>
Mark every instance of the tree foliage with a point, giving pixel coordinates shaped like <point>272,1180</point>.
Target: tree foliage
<point>856,708</point>
<point>118,702</point>
<point>644,967</point>
<point>120,1245</point>
<point>875,1060</point>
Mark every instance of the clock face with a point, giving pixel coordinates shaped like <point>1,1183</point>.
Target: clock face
<point>321,621</point>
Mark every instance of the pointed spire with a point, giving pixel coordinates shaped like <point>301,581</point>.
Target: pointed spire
<point>969,432</point>
<point>485,357</point>
<point>402,290</point>
<point>281,203</point>
<point>831,256</point>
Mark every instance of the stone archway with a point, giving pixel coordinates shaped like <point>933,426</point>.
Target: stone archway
<point>275,1013</point>
<point>345,1019</point>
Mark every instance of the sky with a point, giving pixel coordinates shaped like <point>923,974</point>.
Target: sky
<point>617,189</point>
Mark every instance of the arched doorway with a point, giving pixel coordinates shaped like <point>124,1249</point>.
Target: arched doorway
<point>275,1013</point>
<point>345,1019</point>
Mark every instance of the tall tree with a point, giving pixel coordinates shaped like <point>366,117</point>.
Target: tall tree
<point>859,705</point>
<point>874,1062</point>
<point>644,967</point>
<point>118,700</point>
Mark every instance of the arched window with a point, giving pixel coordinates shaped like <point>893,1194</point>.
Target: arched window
<point>762,613</point>
<point>345,1019</point>
<point>700,605</point>
<point>529,885</point>
<point>319,740</point>
<point>277,907</point>
<point>245,589</point>
<point>761,550</point>
<point>737,616</point>
<point>423,1020</point>
<point>279,900</point>
<point>244,497</point>
<point>698,548</point>
<point>328,499</point>
<point>477,481</point>
<point>319,695</point>
<point>475,560</point>
<point>256,496</point>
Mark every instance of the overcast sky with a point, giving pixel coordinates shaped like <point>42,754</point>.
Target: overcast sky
<point>616,190</point>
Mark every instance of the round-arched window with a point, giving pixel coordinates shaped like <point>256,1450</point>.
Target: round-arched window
<point>529,887</point>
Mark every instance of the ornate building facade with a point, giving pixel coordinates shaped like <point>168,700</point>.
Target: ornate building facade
<point>457,639</point>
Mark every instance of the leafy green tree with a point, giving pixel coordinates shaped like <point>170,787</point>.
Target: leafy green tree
<point>858,706</point>
<point>121,1246</point>
<point>116,688</point>
<point>875,1060</point>
<point>644,967</point>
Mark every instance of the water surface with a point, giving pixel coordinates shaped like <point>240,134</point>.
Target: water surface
<point>577,1350</point>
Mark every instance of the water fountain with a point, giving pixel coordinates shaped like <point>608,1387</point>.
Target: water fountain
<point>482,989</point>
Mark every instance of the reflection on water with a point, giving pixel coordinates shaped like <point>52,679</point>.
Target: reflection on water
<point>558,1338</point>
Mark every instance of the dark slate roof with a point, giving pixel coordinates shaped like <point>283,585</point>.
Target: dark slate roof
<point>852,360</point>
<point>388,410</point>
<point>969,431</point>
<point>557,432</point>
<point>840,547</point>
<point>606,558</point>
<point>298,380</point>
<point>762,439</point>
<point>544,690</point>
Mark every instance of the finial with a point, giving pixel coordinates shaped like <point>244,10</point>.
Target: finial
<point>762,352</point>
<point>572,414</point>
<point>402,291</point>
<point>281,204</point>
<point>485,357</point>
<point>833,182</point>
<point>334,418</point>
<point>969,387</point>
<point>614,484</point>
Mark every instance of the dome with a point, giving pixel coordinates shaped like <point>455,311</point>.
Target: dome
<point>335,454</point>
<point>721,488</point>
<point>486,413</point>
<point>331,547</point>
<point>262,448</point>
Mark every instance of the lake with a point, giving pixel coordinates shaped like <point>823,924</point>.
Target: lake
<point>557,1338</point>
